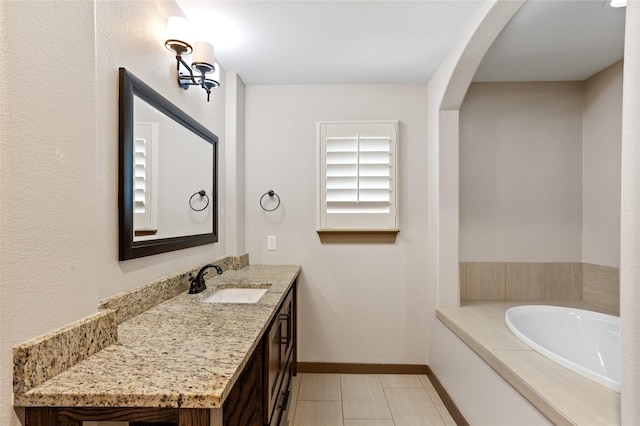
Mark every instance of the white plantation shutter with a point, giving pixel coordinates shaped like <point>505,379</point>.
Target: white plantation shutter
<point>142,176</point>
<point>140,161</point>
<point>358,171</point>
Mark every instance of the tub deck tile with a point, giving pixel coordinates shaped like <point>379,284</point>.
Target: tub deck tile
<point>560,394</point>
<point>583,401</point>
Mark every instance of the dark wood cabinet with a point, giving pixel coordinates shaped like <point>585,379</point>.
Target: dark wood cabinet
<point>261,394</point>
<point>279,347</point>
<point>243,406</point>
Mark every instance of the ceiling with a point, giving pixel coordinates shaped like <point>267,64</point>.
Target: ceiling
<point>318,42</point>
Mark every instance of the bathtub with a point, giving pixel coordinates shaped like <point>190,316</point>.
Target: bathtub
<point>583,341</point>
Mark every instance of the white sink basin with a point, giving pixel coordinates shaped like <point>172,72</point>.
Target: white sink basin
<point>236,295</point>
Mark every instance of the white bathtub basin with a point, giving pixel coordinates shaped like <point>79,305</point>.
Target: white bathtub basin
<point>236,295</point>
<point>584,341</point>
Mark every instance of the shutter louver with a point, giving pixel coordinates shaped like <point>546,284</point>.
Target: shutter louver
<point>144,143</point>
<point>139,175</point>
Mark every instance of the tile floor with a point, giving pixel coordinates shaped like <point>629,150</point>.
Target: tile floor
<point>365,400</point>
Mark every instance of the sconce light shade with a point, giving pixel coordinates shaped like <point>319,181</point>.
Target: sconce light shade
<point>203,57</point>
<point>618,3</point>
<point>178,36</point>
<point>178,40</point>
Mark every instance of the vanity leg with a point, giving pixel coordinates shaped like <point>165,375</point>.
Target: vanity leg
<point>194,417</point>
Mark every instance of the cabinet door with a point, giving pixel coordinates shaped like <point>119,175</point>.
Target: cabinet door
<point>243,406</point>
<point>284,395</point>
<point>279,343</point>
<point>274,364</point>
<point>286,325</point>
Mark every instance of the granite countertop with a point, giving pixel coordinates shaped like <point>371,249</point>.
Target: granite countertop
<point>182,353</point>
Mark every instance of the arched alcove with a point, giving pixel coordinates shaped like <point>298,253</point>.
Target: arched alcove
<point>446,92</point>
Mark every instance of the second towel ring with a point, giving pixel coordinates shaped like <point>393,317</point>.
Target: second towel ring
<point>270,193</point>
<point>202,193</point>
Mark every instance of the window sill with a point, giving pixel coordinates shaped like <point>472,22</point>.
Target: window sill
<point>357,236</point>
<point>145,232</point>
<point>358,231</point>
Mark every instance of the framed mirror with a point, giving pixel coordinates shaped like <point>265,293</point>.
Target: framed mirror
<point>167,197</point>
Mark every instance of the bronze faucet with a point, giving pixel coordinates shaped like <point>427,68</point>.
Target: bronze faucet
<point>197,284</point>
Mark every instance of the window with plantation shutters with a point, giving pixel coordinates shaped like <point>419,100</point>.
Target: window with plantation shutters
<point>357,176</point>
<point>143,195</point>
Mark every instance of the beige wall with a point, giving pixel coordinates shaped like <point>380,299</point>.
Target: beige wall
<point>601,146</point>
<point>234,206</point>
<point>630,221</point>
<point>59,168</point>
<point>540,171</point>
<point>361,303</point>
<point>521,172</point>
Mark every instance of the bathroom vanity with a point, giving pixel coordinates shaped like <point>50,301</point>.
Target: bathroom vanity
<point>262,392</point>
<point>185,361</point>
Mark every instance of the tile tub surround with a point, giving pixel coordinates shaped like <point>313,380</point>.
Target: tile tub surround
<point>558,281</point>
<point>601,287</point>
<point>181,353</point>
<point>565,397</point>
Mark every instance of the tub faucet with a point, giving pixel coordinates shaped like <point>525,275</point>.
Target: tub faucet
<point>197,282</point>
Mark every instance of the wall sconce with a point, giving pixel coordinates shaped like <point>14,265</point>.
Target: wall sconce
<point>177,39</point>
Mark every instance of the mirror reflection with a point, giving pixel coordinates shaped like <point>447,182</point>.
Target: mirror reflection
<point>167,194</point>
<point>171,164</point>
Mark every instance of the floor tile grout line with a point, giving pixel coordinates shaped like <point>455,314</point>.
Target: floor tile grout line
<point>424,382</point>
<point>435,403</point>
<point>297,394</point>
<point>387,400</point>
<point>295,413</point>
<point>321,399</point>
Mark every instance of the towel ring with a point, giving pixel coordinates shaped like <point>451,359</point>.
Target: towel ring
<point>202,193</point>
<point>270,193</point>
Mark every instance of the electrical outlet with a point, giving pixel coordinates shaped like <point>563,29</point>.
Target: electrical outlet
<point>271,242</point>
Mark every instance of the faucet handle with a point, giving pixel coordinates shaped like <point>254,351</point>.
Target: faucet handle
<point>193,284</point>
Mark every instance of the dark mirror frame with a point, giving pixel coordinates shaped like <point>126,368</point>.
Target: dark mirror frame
<point>131,86</point>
